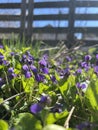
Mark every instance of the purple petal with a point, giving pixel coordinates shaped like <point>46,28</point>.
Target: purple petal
<point>68,58</point>
<point>45,70</point>
<point>87,57</point>
<point>35,108</point>
<point>1,46</point>
<point>1,57</point>
<point>25,67</point>
<point>83,85</point>
<point>10,70</point>
<point>39,77</point>
<point>12,53</point>
<point>79,71</point>
<point>43,62</point>
<point>97,56</point>
<point>33,68</point>
<point>28,74</point>
<point>53,78</point>
<point>78,85</point>
<point>96,69</point>
<point>43,99</point>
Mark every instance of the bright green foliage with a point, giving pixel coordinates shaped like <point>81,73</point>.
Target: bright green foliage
<point>92,94</point>
<point>40,95</point>
<point>53,117</point>
<point>3,125</point>
<point>28,84</point>
<point>92,99</point>
<point>26,121</point>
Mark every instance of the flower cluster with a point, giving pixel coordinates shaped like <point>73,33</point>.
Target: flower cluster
<point>29,69</point>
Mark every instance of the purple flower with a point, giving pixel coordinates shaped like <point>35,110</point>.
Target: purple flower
<point>33,68</point>
<point>45,56</point>
<point>87,67</point>
<point>43,99</point>
<point>53,79</point>
<point>11,76</point>
<point>87,57</point>
<point>6,63</point>
<point>1,57</point>
<point>1,46</point>
<point>68,58</point>
<point>66,72</point>
<point>29,61</point>
<point>97,56</point>
<point>79,71</point>
<point>78,85</point>
<point>84,126</point>
<point>81,85</point>
<point>96,69</point>
<point>36,108</point>
<point>30,56</point>
<point>25,67</point>
<point>39,77</point>
<point>10,70</point>
<point>45,70</point>
<point>83,64</point>
<point>28,74</point>
<point>43,63</point>
<point>12,53</point>
<point>11,73</point>
<point>24,58</point>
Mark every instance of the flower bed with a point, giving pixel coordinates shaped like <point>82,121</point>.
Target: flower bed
<point>44,94</point>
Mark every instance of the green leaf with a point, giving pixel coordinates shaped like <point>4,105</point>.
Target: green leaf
<point>26,121</point>
<point>28,84</point>
<point>43,88</point>
<point>24,49</point>
<point>92,94</point>
<point>66,84</point>
<point>53,127</point>
<point>3,125</point>
<point>53,117</point>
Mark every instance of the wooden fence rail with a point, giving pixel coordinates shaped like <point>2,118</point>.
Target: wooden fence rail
<point>26,19</point>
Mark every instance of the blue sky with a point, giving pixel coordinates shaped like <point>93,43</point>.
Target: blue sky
<point>53,11</point>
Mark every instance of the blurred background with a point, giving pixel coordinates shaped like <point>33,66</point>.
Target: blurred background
<point>50,21</point>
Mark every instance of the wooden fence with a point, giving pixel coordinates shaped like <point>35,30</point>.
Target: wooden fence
<point>26,20</point>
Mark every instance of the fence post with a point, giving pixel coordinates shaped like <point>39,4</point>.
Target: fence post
<point>30,20</point>
<point>70,35</point>
<point>23,19</point>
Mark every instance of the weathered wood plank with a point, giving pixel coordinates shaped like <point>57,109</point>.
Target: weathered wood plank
<point>51,17</point>
<point>56,4</point>
<point>86,17</point>
<point>23,18</point>
<point>87,3</point>
<point>86,29</point>
<point>10,5</point>
<point>10,17</point>
<point>65,30</point>
<point>9,30</point>
<point>49,30</point>
<point>71,19</point>
<point>30,19</point>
